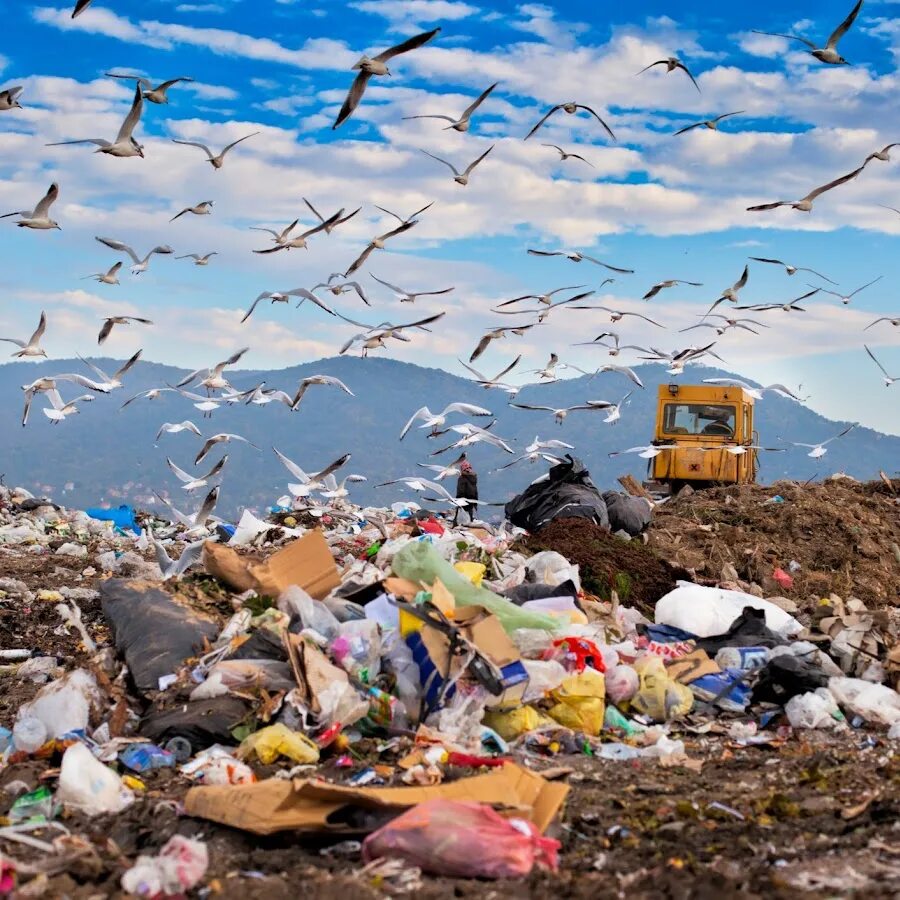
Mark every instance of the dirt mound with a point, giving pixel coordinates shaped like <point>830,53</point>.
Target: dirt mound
<point>845,536</point>
<point>636,574</point>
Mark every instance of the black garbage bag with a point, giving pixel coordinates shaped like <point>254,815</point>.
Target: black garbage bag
<point>262,644</point>
<point>524,592</point>
<point>152,630</point>
<point>627,513</point>
<point>567,493</point>
<point>786,676</point>
<point>747,630</point>
<point>201,723</point>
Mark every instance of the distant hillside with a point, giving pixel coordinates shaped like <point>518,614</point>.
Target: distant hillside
<point>104,454</point>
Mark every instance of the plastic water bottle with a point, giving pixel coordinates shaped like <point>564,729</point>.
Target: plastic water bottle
<point>29,734</point>
<point>744,658</point>
<point>180,748</point>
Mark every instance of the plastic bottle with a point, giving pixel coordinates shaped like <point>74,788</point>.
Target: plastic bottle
<point>29,734</point>
<point>744,658</point>
<point>180,748</point>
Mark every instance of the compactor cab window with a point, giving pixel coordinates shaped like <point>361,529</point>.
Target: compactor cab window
<point>699,419</point>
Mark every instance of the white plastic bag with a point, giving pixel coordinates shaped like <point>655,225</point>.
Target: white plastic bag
<point>812,710</point>
<point>622,683</point>
<point>88,785</point>
<point>707,611</point>
<point>64,705</point>
<point>312,613</point>
<point>874,702</point>
<point>543,676</point>
<point>550,567</point>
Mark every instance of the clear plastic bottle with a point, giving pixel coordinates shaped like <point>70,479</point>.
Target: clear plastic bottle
<point>29,734</point>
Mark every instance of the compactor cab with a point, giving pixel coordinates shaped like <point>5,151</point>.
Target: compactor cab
<point>701,430</point>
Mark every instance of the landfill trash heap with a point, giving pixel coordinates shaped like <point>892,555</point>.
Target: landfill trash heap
<point>415,698</point>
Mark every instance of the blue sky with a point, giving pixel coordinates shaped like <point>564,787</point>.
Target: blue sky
<point>668,207</point>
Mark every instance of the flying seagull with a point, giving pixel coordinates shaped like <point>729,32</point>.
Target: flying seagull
<point>409,296</point>
<point>829,53</point>
<point>819,450</point>
<point>309,482</point>
<point>174,568</point>
<point>140,265</point>
<point>422,486</point>
<point>577,256</point>
<point>39,217</point>
<point>9,98</point>
<point>461,178</point>
<point>198,519</point>
<point>31,347</point>
<point>214,378</point>
<point>124,145</point>
<point>199,260</point>
<point>806,203</point>
<point>215,161</point>
<point>672,63</point>
<point>435,421</point>
<point>107,383</point>
<point>201,209</point>
<point>616,315</point>
<point>668,284</point>
<point>732,292</point>
<point>109,277</point>
<point>285,297</point>
<point>338,285</point>
<point>650,452</point>
<point>462,123</point>
<point>789,306</point>
<point>220,439</point>
<point>374,338</point>
<point>494,335</point>
<point>495,382</point>
<point>545,299</point>
<point>630,374</point>
<point>408,219</point>
<point>377,243</point>
<point>711,124</point>
<point>331,222</point>
<point>177,428</point>
<point>571,108</point>
<point>192,482</point>
<point>888,379</point>
<point>284,241</point>
<point>560,414</point>
<point>309,381</point>
<point>791,270</point>
<point>563,155</point>
<point>158,94</point>
<point>60,410</point>
<point>894,320</point>
<point>846,298</point>
<point>376,66</point>
<point>110,321</point>
<point>882,155</point>
<point>755,392</point>
<point>80,7</point>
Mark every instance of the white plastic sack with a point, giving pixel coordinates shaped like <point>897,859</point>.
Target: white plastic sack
<point>88,785</point>
<point>549,567</point>
<point>812,710</point>
<point>874,702</point>
<point>64,705</point>
<point>707,611</point>
<point>543,676</point>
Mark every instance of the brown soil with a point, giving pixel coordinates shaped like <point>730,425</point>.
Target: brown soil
<point>607,563</point>
<point>845,536</point>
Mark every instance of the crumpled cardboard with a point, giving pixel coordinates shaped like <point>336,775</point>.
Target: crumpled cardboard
<point>692,666</point>
<point>316,806</point>
<point>306,562</point>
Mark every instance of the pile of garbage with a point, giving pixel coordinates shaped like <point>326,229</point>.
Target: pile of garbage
<point>378,674</point>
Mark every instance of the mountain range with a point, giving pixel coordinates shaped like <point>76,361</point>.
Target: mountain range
<point>108,455</point>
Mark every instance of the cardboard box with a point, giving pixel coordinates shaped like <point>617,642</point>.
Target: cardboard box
<point>306,562</point>
<point>277,805</point>
<point>689,668</point>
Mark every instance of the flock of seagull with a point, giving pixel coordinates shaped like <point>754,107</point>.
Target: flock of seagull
<point>531,310</point>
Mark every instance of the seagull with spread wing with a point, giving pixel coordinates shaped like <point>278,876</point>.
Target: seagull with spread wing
<point>377,243</point>
<point>158,94</point>
<point>376,66</point>
<point>331,222</point>
<point>216,160</point>
<point>140,265</point>
<point>214,378</point>
<point>461,178</point>
<point>109,322</point>
<point>571,108</point>
<point>846,298</point>
<point>672,63</point>
<point>806,203</point>
<point>310,380</point>
<point>223,438</point>
<point>31,347</point>
<point>888,379</point>
<point>435,421</point>
<point>191,483</point>
<point>38,218</point>
<point>409,296</point>
<point>577,257</point>
<point>817,451</point>
<point>309,482</point>
<point>124,146</point>
<point>463,122</point>
<point>9,98</point>
<point>791,270</point>
<point>829,53</point>
<point>711,124</point>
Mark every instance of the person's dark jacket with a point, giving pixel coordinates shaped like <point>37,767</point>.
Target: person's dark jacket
<point>467,486</point>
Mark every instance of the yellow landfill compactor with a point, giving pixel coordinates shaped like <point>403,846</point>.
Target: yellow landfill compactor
<point>701,431</point>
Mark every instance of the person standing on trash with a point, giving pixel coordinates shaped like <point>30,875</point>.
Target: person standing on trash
<point>466,489</point>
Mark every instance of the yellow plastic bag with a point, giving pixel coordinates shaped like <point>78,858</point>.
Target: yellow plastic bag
<point>580,702</point>
<point>278,740</point>
<point>516,722</point>
<point>659,696</point>
<point>473,571</point>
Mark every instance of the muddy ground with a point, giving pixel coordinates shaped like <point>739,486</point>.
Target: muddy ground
<point>816,813</point>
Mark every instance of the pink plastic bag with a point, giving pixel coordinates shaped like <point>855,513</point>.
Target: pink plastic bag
<point>462,839</point>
